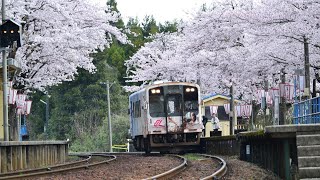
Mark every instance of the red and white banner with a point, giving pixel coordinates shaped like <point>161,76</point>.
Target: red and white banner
<point>246,110</point>
<point>213,109</point>
<point>287,91</point>
<point>269,98</point>
<point>227,108</point>
<point>12,96</point>
<point>22,106</point>
<point>242,110</point>
<point>20,101</point>
<point>238,108</point>
<point>27,108</point>
<point>261,93</point>
<point>274,92</point>
<point>19,111</point>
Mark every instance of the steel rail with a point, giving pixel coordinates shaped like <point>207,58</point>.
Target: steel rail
<point>114,153</point>
<point>220,172</point>
<point>50,171</point>
<point>45,168</point>
<point>171,172</point>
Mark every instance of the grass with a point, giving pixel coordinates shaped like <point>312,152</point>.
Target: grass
<point>193,157</point>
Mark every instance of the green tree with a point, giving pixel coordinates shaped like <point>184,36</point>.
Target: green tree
<point>78,109</point>
<point>168,27</point>
<point>149,26</point>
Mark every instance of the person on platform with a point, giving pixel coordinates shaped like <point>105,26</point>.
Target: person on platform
<point>193,118</point>
<point>215,122</point>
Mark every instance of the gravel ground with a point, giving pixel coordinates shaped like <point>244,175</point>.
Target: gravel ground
<point>139,167</point>
<point>125,167</point>
<point>239,170</point>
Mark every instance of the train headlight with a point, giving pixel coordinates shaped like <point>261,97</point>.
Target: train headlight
<point>190,90</point>
<point>155,91</point>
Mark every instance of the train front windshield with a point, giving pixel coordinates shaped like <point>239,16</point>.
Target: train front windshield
<point>175,100</point>
<point>156,102</point>
<point>191,100</point>
<point>174,105</point>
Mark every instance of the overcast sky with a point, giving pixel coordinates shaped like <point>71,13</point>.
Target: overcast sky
<point>162,10</point>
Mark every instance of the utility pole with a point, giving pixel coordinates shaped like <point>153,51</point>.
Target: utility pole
<point>283,108</point>
<point>109,116</point>
<point>198,75</point>
<point>5,83</point>
<point>47,115</point>
<point>306,67</point>
<point>109,113</point>
<point>45,128</point>
<point>252,112</point>
<point>314,88</point>
<point>266,86</point>
<point>276,110</point>
<point>231,113</point>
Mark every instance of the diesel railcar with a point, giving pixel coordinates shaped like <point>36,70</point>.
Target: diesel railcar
<point>166,117</point>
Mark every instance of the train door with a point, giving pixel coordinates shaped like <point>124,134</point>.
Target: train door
<point>174,113</point>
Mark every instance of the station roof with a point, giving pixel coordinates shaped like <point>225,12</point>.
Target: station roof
<point>216,99</point>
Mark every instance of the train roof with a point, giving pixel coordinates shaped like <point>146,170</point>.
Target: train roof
<point>163,83</point>
<point>169,83</point>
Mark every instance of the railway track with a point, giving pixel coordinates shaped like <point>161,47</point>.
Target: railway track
<point>171,172</point>
<point>218,174</point>
<point>81,164</point>
<point>90,159</point>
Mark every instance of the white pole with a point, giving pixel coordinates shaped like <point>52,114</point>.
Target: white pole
<point>276,110</point>
<point>232,111</point>
<point>109,116</point>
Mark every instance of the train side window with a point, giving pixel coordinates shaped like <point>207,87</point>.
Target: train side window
<point>137,109</point>
<point>132,109</point>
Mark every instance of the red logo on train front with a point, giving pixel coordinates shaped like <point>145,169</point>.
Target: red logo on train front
<point>157,123</point>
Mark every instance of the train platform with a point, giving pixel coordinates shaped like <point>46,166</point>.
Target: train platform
<point>20,155</point>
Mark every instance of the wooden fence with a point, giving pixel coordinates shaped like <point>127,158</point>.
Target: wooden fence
<point>18,155</point>
<point>221,145</point>
<point>277,154</point>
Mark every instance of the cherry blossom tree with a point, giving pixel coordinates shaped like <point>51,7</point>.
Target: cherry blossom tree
<point>279,32</point>
<point>154,59</point>
<point>59,37</point>
<point>197,55</point>
<point>239,42</point>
